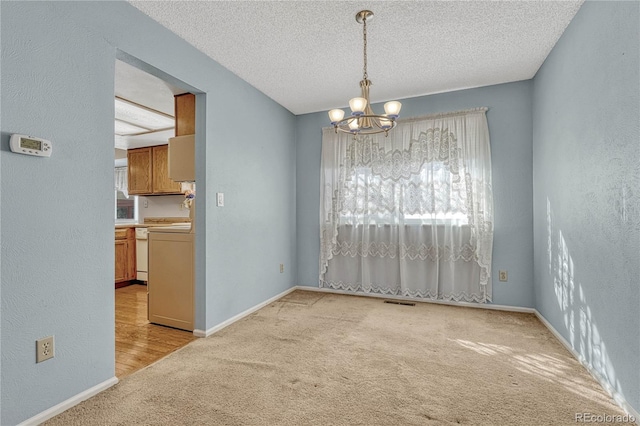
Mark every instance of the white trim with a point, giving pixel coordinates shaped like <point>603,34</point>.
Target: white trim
<point>223,324</point>
<point>617,397</point>
<point>65,405</point>
<point>413,299</point>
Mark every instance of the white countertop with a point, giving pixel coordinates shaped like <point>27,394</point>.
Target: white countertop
<point>181,228</point>
<point>150,225</point>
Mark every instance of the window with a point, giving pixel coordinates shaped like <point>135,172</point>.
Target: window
<point>432,196</point>
<point>126,207</point>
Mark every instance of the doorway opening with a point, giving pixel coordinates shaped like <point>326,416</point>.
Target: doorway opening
<point>154,123</point>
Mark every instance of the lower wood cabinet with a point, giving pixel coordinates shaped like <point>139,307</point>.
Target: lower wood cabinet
<point>125,253</point>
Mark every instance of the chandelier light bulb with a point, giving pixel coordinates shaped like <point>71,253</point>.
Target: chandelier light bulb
<point>353,125</point>
<point>336,115</point>
<point>357,106</point>
<point>385,123</point>
<point>392,109</point>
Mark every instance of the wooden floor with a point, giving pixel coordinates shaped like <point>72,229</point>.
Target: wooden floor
<point>139,343</point>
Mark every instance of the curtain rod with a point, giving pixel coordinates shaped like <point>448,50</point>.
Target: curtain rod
<point>443,114</point>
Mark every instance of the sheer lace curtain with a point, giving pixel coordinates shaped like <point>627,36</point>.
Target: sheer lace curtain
<point>410,214</point>
<point>121,180</point>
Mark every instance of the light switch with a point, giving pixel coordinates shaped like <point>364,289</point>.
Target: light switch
<point>220,199</point>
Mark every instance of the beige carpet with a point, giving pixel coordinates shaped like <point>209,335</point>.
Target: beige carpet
<point>322,359</point>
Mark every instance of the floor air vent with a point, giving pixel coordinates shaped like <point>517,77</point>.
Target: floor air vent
<point>399,302</point>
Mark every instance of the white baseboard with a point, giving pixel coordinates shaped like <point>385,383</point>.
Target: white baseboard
<point>619,399</point>
<point>65,405</point>
<point>413,299</point>
<point>214,329</point>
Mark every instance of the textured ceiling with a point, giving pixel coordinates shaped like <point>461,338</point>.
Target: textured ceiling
<point>307,55</point>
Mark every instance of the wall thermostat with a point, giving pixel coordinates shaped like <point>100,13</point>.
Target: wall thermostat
<point>30,145</point>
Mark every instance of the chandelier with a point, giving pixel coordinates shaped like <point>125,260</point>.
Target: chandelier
<point>362,120</point>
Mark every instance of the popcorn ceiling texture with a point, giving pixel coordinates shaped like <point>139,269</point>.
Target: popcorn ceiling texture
<point>307,55</point>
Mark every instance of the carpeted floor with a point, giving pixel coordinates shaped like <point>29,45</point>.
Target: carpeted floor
<point>323,359</point>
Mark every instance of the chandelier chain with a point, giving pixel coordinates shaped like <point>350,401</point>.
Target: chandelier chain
<point>363,121</point>
<point>364,34</point>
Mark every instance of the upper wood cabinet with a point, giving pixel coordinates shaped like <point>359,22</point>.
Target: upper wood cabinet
<point>185,111</point>
<point>182,147</point>
<point>148,172</point>
<point>161,182</point>
<point>139,171</point>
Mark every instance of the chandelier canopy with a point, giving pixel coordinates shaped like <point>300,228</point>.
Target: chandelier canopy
<point>362,120</point>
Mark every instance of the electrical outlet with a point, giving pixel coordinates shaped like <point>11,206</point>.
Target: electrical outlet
<point>503,276</point>
<point>146,204</point>
<point>220,199</point>
<point>281,268</point>
<point>44,349</point>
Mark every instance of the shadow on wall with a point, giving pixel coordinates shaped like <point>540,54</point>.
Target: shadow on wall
<point>584,337</point>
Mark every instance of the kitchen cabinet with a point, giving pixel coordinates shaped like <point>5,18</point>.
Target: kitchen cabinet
<point>148,171</point>
<point>171,284</point>
<point>125,256</point>
<point>185,112</point>
<point>162,184</point>
<point>182,159</point>
<point>139,171</point>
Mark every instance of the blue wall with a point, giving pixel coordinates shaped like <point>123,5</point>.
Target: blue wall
<point>57,230</point>
<point>578,190</point>
<point>586,190</point>
<point>509,119</point>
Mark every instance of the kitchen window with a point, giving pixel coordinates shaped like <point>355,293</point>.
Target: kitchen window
<point>126,207</point>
